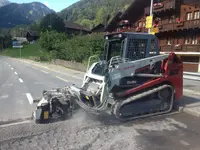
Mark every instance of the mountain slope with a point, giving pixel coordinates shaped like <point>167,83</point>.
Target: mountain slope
<point>93,12</point>
<point>4,2</point>
<point>15,14</point>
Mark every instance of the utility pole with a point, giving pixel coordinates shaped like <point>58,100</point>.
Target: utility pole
<point>151,13</point>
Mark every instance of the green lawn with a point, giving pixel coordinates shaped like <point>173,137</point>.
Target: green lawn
<point>28,51</point>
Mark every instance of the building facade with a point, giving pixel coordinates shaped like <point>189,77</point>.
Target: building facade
<point>179,27</point>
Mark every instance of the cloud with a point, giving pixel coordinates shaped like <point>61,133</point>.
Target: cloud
<point>46,3</point>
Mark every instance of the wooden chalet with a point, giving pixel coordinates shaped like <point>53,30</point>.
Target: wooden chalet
<point>178,22</point>
<point>98,29</point>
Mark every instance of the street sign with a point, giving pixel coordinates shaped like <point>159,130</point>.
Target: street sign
<point>149,22</point>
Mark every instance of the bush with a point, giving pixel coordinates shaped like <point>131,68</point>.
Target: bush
<point>78,48</point>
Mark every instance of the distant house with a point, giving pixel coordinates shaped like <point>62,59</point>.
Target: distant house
<point>99,28</point>
<point>75,29</point>
<point>32,36</point>
<point>26,36</point>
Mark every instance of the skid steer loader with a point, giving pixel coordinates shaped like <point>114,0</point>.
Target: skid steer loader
<point>133,81</point>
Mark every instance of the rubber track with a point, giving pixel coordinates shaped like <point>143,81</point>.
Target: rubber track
<point>116,107</point>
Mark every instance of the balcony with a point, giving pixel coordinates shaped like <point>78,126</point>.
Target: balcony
<point>181,48</point>
<point>191,24</point>
<point>134,30</point>
<point>163,6</point>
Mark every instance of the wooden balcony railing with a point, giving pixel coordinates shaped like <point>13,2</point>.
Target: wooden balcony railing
<point>165,5</point>
<point>189,24</point>
<point>135,30</point>
<point>182,48</point>
<point>191,48</point>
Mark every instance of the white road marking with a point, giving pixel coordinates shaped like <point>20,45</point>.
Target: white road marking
<point>38,83</point>
<point>12,124</point>
<point>9,65</point>
<point>4,96</point>
<point>20,102</point>
<point>15,72</point>
<point>12,68</point>
<point>61,79</point>
<point>30,98</point>
<point>44,71</point>
<point>184,143</point>
<point>20,80</point>
<point>7,85</point>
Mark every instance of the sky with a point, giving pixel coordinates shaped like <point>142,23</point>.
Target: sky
<point>56,5</point>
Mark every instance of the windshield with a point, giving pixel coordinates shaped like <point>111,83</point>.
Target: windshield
<point>114,48</point>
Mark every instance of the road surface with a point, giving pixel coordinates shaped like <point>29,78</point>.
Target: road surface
<point>21,83</point>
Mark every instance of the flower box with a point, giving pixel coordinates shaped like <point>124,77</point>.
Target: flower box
<point>158,5</point>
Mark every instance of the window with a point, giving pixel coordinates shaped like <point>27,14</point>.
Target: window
<point>144,24</point>
<point>169,41</point>
<point>171,19</point>
<point>196,14</point>
<point>194,40</point>
<point>189,16</point>
<point>140,24</point>
<point>136,49</point>
<point>187,40</point>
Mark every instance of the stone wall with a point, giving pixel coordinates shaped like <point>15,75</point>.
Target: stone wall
<point>70,64</point>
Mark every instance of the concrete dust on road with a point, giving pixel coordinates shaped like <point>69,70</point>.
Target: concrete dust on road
<point>86,132</point>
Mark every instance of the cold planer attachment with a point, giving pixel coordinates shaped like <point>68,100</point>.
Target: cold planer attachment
<point>133,79</point>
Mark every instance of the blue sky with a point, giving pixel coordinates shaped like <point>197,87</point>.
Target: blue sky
<point>56,5</point>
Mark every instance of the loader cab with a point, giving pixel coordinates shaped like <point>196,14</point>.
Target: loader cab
<point>130,45</point>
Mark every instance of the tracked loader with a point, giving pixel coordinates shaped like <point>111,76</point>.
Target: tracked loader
<point>133,81</point>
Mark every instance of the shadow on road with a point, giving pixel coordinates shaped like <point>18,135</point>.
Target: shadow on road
<point>189,101</point>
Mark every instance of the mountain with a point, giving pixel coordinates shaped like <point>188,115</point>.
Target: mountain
<point>16,14</point>
<point>93,12</point>
<point>4,2</point>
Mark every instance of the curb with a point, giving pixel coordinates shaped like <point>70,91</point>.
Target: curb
<point>189,78</point>
<point>187,111</point>
<point>38,65</point>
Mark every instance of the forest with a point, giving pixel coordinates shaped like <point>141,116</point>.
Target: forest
<point>92,12</point>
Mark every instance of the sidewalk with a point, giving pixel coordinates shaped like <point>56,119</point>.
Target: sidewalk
<point>190,102</point>
<point>191,76</point>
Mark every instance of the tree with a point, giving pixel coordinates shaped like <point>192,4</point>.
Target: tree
<point>52,22</point>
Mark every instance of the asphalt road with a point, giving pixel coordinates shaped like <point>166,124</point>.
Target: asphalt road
<point>21,83</point>
<point>85,132</point>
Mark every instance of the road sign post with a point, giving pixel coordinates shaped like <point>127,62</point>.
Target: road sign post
<point>151,14</point>
<point>20,52</point>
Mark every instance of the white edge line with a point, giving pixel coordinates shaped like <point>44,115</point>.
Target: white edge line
<point>62,79</point>
<point>30,98</point>
<point>20,80</point>
<point>15,72</point>
<point>44,71</point>
<point>12,124</point>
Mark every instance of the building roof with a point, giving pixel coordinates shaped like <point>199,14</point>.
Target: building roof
<point>131,13</point>
<point>98,26</point>
<point>75,26</point>
<point>23,33</point>
<point>135,10</point>
<point>33,33</point>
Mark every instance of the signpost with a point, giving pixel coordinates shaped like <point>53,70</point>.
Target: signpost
<point>18,45</point>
